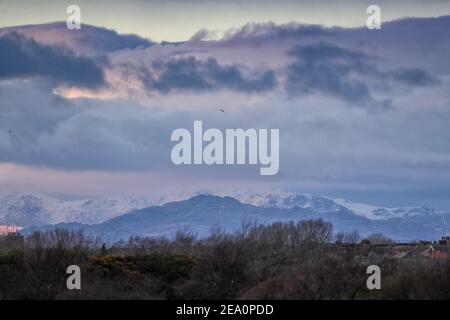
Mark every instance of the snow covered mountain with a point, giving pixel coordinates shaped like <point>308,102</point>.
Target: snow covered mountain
<point>327,204</point>
<point>27,209</point>
<point>202,213</point>
<point>289,200</point>
<point>119,218</point>
<point>436,218</point>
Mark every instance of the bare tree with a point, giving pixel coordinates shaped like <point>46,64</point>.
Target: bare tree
<point>348,237</point>
<point>314,231</point>
<point>378,238</point>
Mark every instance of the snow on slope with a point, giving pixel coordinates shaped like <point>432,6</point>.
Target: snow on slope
<point>287,200</point>
<point>367,211</point>
<point>27,209</point>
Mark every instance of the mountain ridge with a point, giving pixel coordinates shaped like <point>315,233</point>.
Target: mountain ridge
<point>202,213</point>
<point>30,209</point>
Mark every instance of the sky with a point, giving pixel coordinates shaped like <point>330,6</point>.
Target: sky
<point>179,20</point>
<point>363,114</point>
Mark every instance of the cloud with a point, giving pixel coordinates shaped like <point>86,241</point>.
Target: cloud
<point>262,32</point>
<point>327,52</point>
<point>304,86</point>
<point>347,74</point>
<point>22,57</point>
<point>191,74</point>
<point>106,40</point>
<point>323,143</point>
<point>88,40</point>
<point>414,77</point>
<point>329,69</point>
<point>78,134</point>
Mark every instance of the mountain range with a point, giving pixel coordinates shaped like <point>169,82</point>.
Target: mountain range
<point>120,218</point>
<point>28,209</point>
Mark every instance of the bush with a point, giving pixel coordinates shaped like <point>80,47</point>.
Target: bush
<point>278,261</point>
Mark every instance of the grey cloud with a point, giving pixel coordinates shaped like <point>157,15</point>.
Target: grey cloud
<point>328,69</point>
<point>414,77</point>
<point>192,74</point>
<point>327,52</point>
<point>107,40</point>
<point>347,74</point>
<point>351,146</point>
<point>88,40</point>
<point>22,57</point>
<point>54,132</point>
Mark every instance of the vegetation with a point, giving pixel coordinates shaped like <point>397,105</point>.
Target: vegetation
<point>303,260</point>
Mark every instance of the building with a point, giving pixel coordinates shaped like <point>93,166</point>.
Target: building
<point>433,253</point>
<point>445,240</point>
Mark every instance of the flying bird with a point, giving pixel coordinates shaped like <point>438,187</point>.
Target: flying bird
<point>9,131</point>
<point>222,110</point>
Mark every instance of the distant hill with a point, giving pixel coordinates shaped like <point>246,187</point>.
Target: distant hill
<point>202,213</point>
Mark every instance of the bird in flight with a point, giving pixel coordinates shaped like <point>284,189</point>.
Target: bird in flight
<point>9,131</point>
<point>222,110</point>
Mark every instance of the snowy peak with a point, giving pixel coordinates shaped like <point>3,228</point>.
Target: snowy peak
<point>289,200</point>
<point>322,204</point>
<point>205,199</point>
<point>25,209</point>
<point>367,211</point>
<point>28,209</point>
<point>383,213</point>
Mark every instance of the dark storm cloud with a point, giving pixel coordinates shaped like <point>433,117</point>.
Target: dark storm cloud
<point>192,74</point>
<point>88,40</point>
<point>22,57</point>
<point>346,74</point>
<point>328,69</point>
<point>327,52</point>
<point>414,77</point>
